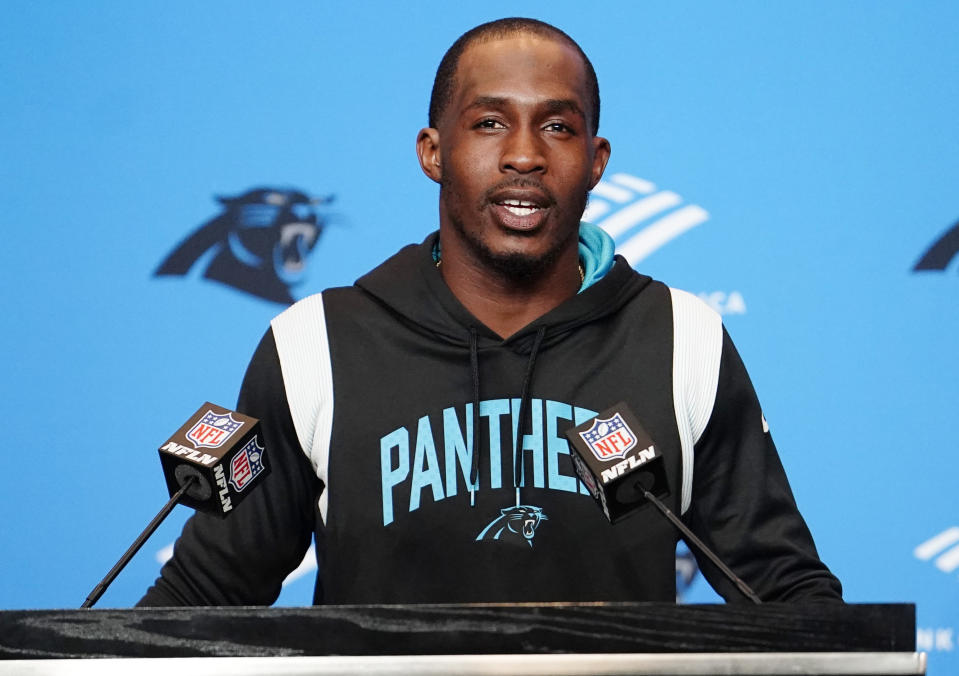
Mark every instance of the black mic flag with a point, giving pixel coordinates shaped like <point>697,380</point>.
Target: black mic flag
<point>223,450</point>
<point>612,451</point>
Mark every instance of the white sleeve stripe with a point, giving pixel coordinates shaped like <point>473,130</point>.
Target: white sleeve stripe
<point>304,350</point>
<point>697,350</point>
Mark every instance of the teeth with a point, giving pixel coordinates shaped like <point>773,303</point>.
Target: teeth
<point>520,207</point>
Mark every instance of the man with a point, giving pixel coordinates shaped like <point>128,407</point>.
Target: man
<point>391,409</point>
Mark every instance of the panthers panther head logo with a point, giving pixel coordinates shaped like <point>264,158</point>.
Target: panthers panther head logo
<point>517,523</point>
<point>942,252</point>
<point>259,243</point>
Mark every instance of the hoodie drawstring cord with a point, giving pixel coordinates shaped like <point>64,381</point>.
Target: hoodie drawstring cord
<point>524,404</point>
<point>474,371</point>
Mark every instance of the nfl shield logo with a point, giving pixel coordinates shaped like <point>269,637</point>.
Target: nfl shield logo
<point>610,438</point>
<point>246,465</point>
<point>213,430</point>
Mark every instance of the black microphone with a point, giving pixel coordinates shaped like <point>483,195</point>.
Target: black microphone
<point>222,449</point>
<point>619,464</point>
<point>211,464</point>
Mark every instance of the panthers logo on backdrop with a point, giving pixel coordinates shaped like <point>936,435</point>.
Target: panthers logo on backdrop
<point>942,251</point>
<point>514,524</point>
<point>258,244</point>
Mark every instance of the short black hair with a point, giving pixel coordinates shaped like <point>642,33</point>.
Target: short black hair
<point>444,83</point>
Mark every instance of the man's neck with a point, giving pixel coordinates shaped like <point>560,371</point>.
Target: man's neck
<point>506,305</point>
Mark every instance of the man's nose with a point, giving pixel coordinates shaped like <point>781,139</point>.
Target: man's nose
<point>523,152</point>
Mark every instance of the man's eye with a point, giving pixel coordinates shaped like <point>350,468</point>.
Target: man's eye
<point>559,127</point>
<point>489,124</point>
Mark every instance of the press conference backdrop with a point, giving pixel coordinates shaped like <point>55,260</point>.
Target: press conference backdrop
<point>174,174</point>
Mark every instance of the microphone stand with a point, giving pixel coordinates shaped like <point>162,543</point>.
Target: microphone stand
<point>135,547</point>
<point>730,575</point>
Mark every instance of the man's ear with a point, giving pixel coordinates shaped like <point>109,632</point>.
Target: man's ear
<point>601,151</point>
<point>428,151</point>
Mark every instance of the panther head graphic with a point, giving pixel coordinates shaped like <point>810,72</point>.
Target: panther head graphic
<point>259,243</point>
<point>941,252</point>
<point>517,523</point>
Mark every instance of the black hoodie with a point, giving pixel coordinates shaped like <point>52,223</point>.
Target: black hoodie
<point>368,397</point>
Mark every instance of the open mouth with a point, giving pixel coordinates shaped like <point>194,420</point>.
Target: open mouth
<point>520,207</point>
<point>294,245</point>
<point>519,215</point>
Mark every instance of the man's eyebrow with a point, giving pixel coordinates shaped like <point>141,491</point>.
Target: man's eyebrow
<point>488,102</point>
<point>563,106</point>
<point>551,106</point>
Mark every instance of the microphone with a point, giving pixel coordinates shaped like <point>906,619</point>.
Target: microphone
<point>211,464</point>
<point>221,449</point>
<point>612,451</point>
<point>619,464</point>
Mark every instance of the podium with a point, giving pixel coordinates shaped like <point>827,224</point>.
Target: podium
<point>555,638</point>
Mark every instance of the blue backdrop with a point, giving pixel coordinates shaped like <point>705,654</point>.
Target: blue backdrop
<point>790,162</point>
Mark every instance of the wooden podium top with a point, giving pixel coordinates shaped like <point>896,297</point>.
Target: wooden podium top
<point>560,639</point>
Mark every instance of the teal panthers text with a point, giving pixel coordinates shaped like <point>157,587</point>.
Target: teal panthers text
<point>435,453</point>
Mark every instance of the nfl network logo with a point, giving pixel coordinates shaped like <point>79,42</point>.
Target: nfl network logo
<point>638,216</point>
<point>246,465</point>
<point>213,430</point>
<point>610,438</point>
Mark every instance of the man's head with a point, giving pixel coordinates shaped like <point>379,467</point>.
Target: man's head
<point>445,81</point>
<point>512,144</point>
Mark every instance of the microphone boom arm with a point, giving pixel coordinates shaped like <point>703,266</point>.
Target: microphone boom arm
<point>139,542</point>
<point>700,545</point>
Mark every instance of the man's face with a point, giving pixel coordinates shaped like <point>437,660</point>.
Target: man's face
<point>516,155</point>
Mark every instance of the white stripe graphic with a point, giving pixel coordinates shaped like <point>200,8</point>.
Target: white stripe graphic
<point>307,566</point>
<point>640,185</point>
<point>933,546</point>
<point>697,351</point>
<point>662,231</point>
<point>629,216</point>
<point>304,350</point>
<point>165,554</point>
<point>611,192</point>
<point>595,211</point>
<point>949,561</point>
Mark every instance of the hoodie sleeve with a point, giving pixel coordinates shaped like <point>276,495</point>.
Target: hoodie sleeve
<point>243,559</point>
<point>741,504</point>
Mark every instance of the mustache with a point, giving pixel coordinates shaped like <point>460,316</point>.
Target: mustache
<point>521,182</point>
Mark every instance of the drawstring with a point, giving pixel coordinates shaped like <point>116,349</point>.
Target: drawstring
<point>524,403</point>
<point>474,370</point>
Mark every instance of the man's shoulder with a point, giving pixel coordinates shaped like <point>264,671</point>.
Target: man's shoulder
<point>316,306</point>
<point>692,306</point>
<point>675,311</point>
<point>646,291</point>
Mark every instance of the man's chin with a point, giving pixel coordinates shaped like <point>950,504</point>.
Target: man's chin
<point>520,266</point>
<point>517,266</point>
<point>519,256</point>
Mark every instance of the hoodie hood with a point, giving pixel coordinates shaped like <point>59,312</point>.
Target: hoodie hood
<point>411,286</point>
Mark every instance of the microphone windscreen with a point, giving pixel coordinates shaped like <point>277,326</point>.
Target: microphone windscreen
<point>616,459</point>
<point>223,451</point>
